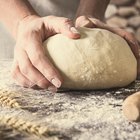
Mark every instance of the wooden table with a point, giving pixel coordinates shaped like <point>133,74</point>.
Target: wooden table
<point>28,114</point>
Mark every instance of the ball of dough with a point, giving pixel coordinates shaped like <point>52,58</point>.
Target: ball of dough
<point>100,59</point>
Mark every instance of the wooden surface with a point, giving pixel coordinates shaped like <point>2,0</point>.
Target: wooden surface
<point>28,114</point>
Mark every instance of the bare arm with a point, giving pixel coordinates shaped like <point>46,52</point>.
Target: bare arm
<point>12,11</point>
<point>31,66</point>
<point>95,8</point>
<point>91,14</point>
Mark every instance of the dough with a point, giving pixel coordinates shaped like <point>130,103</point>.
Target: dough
<point>98,60</point>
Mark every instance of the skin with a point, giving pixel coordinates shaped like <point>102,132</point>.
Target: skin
<point>94,8</point>
<point>90,22</point>
<point>31,67</point>
<point>91,14</point>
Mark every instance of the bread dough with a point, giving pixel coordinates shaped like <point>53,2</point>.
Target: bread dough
<point>100,59</point>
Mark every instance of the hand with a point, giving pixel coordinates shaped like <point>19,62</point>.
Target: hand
<point>90,22</point>
<point>31,66</point>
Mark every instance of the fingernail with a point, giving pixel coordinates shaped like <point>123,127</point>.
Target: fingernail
<point>74,30</point>
<point>52,89</point>
<point>56,82</point>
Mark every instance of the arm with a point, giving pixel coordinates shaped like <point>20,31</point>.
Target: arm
<point>91,14</point>
<point>12,11</point>
<point>94,8</point>
<point>31,66</point>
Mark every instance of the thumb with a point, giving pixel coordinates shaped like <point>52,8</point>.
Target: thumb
<point>84,21</point>
<point>62,25</point>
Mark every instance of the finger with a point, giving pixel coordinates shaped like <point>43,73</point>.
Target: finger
<point>135,49</point>
<point>19,77</point>
<point>30,72</point>
<point>38,59</point>
<point>84,21</point>
<point>61,25</point>
<point>132,41</point>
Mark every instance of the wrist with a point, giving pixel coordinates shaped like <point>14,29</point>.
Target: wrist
<point>80,18</point>
<point>24,23</point>
<point>95,8</point>
<point>29,18</point>
<point>101,18</point>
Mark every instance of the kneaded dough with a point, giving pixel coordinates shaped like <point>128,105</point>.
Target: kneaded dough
<point>100,59</point>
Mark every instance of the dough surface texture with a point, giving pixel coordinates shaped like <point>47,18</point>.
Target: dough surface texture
<point>100,59</point>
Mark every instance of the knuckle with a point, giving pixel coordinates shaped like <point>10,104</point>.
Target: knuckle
<point>53,73</point>
<point>36,59</point>
<point>35,62</point>
<point>131,34</point>
<point>24,70</point>
<point>24,82</point>
<point>43,84</point>
<point>50,73</point>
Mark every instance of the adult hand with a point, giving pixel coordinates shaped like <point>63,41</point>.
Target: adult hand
<point>90,22</point>
<point>31,66</point>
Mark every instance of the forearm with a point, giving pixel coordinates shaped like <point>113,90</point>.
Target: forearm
<point>12,11</point>
<point>95,8</point>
